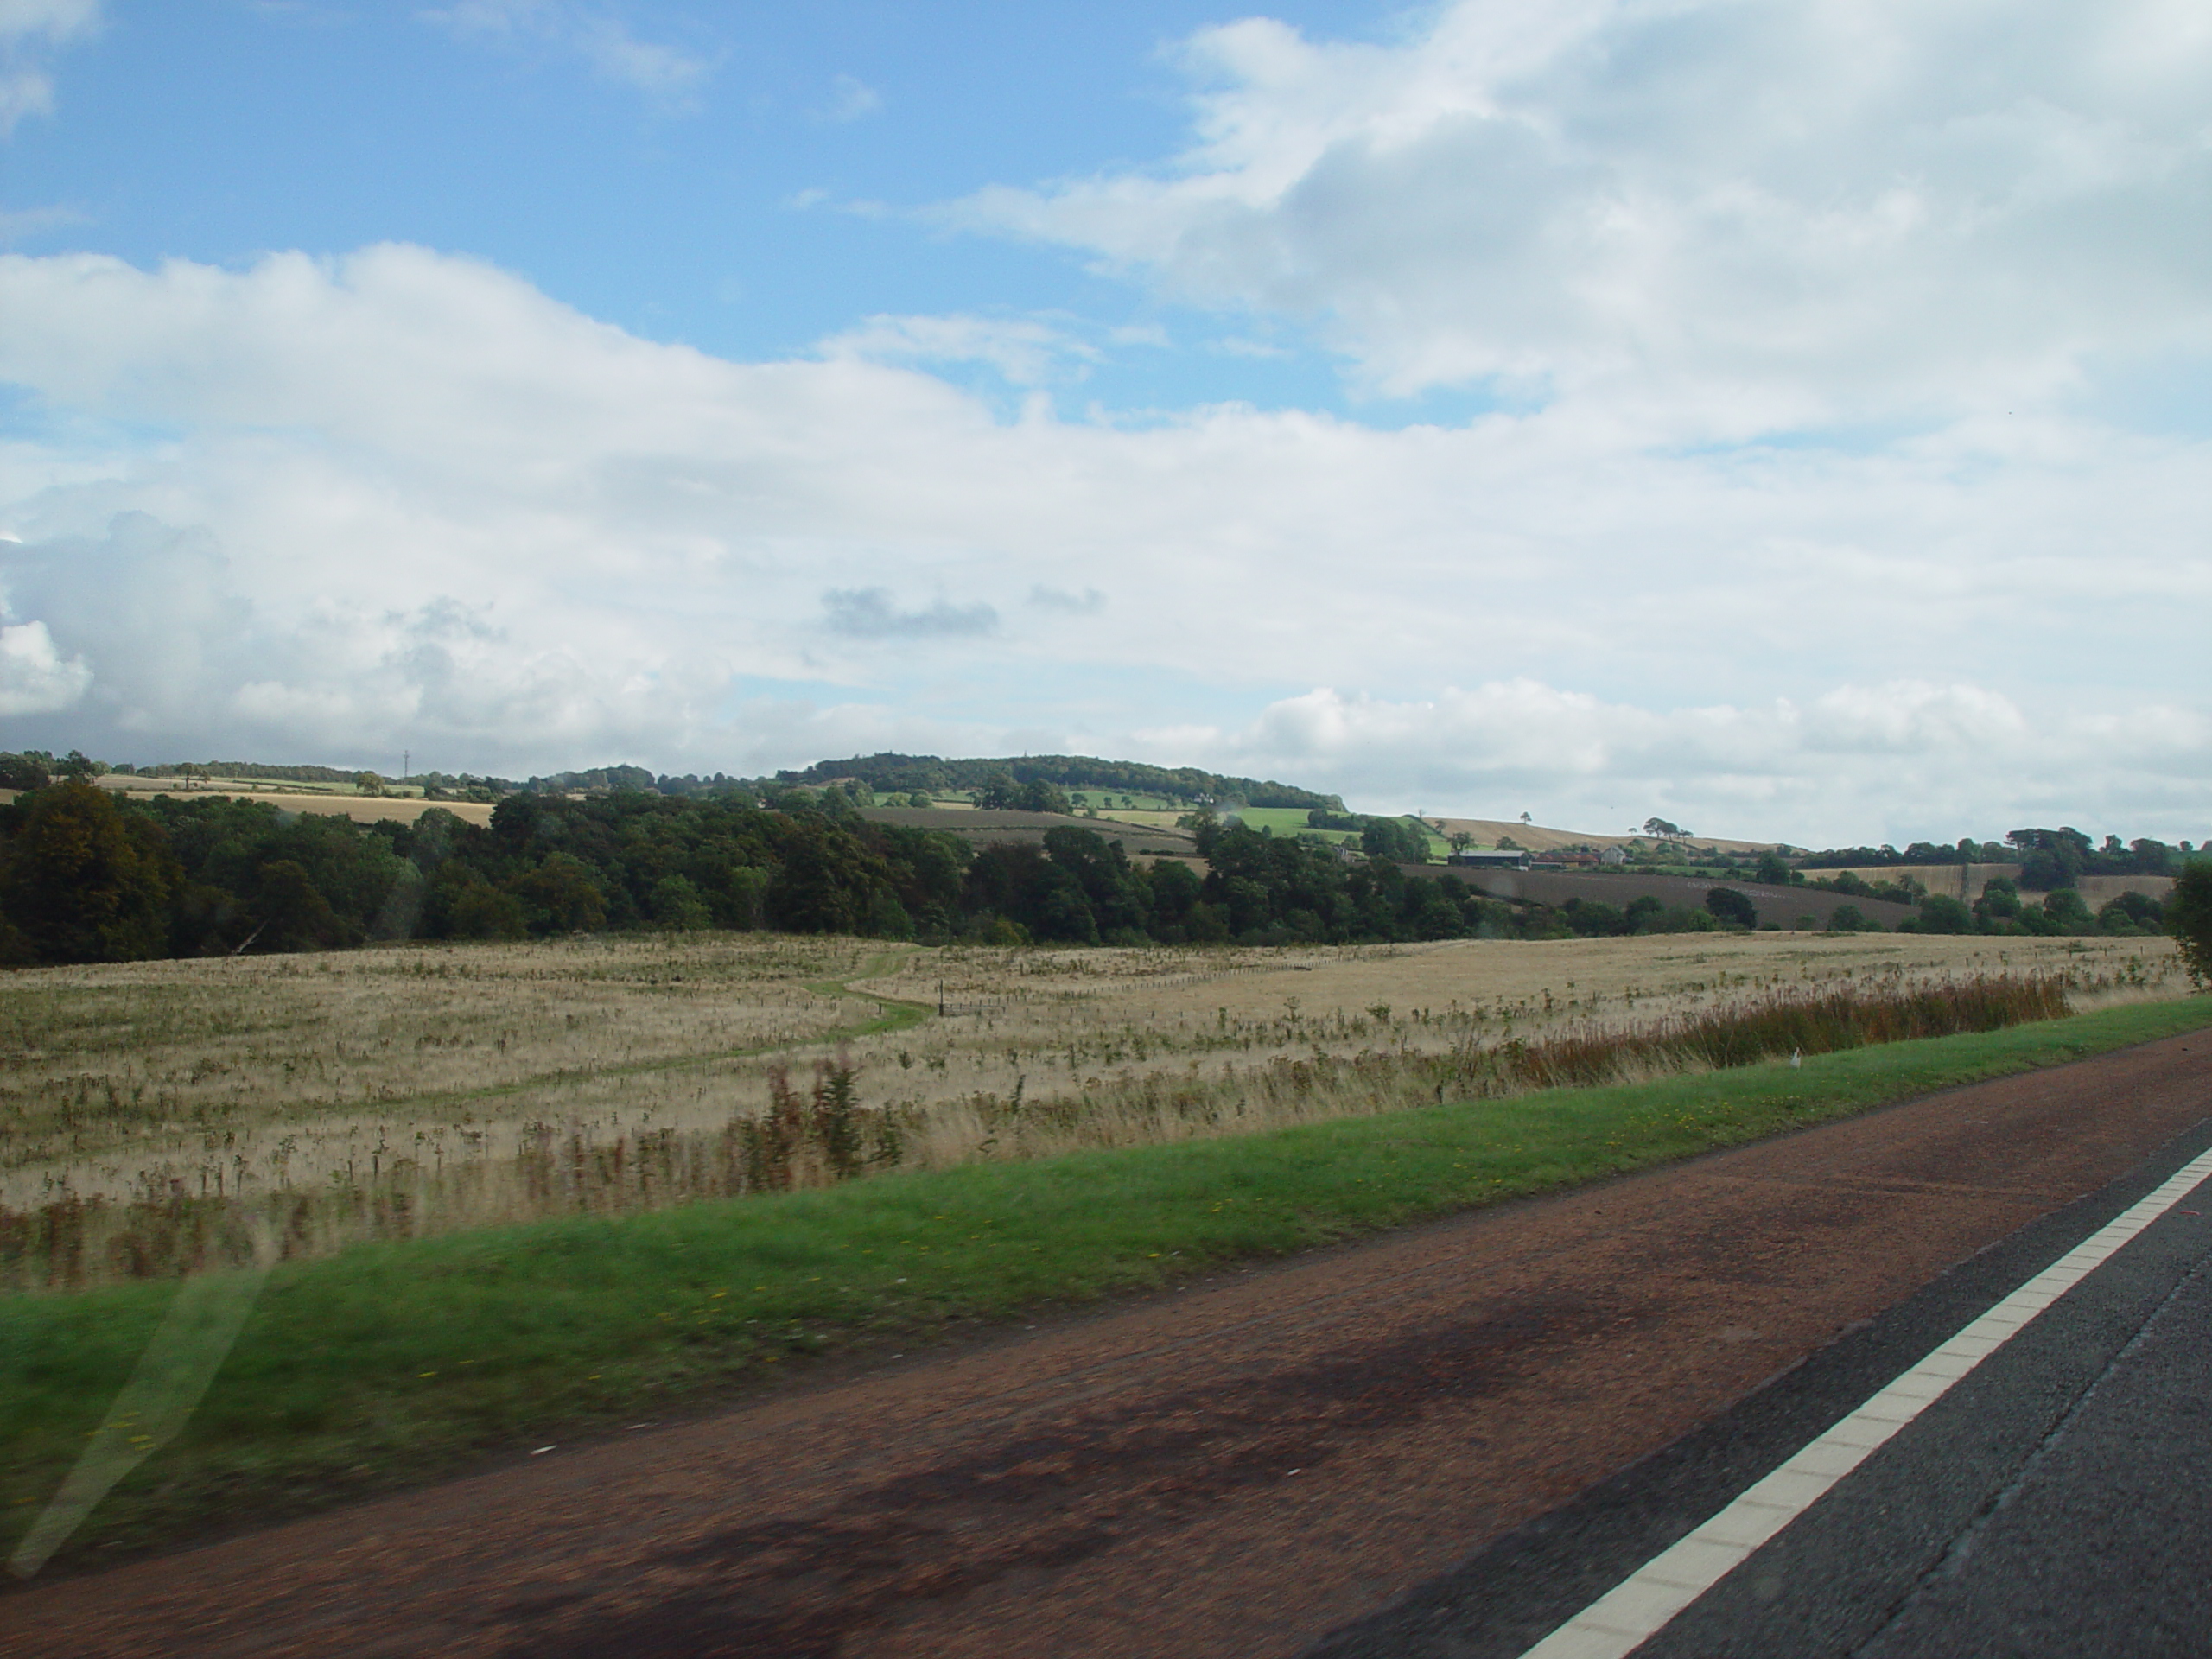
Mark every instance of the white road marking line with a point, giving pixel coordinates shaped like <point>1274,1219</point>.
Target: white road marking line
<point>1624,1618</point>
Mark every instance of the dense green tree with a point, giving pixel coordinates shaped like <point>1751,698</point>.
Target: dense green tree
<point>462,905</point>
<point>1594,920</point>
<point>2189,918</point>
<point>2050,859</point>
<point>999,793</point>
<point>2131,913</point>
<point>1942,914</point>
<point>1730,906</point>
<point>2064,912</point>
<point>677,905</point>
<point>289,913</point>
<point>24,771</point>
<point>1174,890</point>
<point>2000,903</point>
<point>1394,841</point>
<point>82,882</point>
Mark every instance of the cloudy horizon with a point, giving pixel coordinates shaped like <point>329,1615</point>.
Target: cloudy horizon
<point>1790,420</point>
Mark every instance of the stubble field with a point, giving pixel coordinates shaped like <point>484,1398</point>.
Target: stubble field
<point>154,1114</point>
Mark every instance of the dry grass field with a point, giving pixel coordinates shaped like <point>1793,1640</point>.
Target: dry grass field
<point>422,1088</point>
<point>362,809</point>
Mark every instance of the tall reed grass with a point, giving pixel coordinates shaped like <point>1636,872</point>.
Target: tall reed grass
<point>819,1135</point>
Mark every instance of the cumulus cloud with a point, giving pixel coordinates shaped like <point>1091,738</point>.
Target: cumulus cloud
<point>338,506</point>
<point>35,678</point>
<point>1749,217</point>
<point>668,73</point>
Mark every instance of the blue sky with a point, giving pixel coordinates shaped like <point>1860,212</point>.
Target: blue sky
<point>1789,420</point>
<point>753,191</point>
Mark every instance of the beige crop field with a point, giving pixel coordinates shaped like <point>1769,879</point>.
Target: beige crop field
<point>331,801</point>
<point>430,1087</point>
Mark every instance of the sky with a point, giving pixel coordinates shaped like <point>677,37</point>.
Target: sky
<point>1792,419</point>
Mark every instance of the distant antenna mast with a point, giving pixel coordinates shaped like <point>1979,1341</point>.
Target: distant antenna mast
<point>405,769</point>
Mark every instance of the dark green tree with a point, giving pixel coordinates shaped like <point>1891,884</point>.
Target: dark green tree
<point>1594,920</point>
<point>83,883</point>
<point>23,771</point>
<point>2132,912</point>
<point>1039,796</point>
<point>289,913</point>
<point>1394,841</point>
<point>2189,918</point>
<point>2000,903</point>
<point>2064,912</point>
<point>1730,906</point>
<point>1942,914</point>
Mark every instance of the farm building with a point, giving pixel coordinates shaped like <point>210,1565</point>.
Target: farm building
<point>1497,858</point>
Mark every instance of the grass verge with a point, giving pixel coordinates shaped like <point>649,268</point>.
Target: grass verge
<point>391,1363</point>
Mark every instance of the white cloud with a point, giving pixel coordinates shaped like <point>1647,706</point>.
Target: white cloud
<point>30,31</point>
<point>336,507</point>
<point>35,678</point>
<point>602,41</point>
<point>1026,351</point>
<point>1721,218</point>
<point>1900,761</point>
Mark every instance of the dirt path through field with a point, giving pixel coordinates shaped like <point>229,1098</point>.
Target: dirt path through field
<point>1231,1470</point>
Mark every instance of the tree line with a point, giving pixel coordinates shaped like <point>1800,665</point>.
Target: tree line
<point>2049,859</point>
<point>901,774</point>
<point>87,876</point>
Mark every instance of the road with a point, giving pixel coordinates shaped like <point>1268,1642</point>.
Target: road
<point>1443,1442</point>
<point>2047,1501</point>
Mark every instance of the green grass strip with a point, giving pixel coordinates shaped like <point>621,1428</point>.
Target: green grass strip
<point>392,1363</point>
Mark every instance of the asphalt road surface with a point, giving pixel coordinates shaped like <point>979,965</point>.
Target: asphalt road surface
<point>1444,1442</point>
<point>2052,1500</point>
